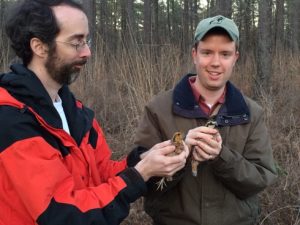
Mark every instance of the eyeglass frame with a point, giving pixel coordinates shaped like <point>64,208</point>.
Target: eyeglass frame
<point>78,46</point>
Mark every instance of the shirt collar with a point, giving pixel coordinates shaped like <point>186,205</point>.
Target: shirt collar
<point>201,101</point>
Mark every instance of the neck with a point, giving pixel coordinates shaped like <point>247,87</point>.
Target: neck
<point>210,96</point>
<point>50,85</point>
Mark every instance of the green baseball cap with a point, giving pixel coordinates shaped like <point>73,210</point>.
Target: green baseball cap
<point>217,21</point>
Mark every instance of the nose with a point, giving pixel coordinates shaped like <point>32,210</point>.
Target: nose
<point>85,52</point>
<point>215,61</point>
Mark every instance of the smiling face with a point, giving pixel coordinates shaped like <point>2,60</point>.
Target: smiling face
<point>65,60</point>
<point>214,59</point>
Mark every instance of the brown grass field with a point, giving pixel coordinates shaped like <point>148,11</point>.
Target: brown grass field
<point>117,87</point>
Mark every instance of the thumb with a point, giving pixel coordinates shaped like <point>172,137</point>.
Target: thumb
<point>167,149</point>
<point>161,145</point>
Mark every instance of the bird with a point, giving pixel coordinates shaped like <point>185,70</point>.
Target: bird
<point>194,162</point>
<point>177,141</point>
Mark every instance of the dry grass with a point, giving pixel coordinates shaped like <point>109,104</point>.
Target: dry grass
<point>281,202</point>
<point>130,79</point>
<point>118,86</point>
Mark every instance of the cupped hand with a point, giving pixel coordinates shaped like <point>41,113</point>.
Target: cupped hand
<point>156,161</point>
<point>206,143</point>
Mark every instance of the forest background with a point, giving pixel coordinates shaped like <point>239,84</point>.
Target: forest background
<point>143,47</point>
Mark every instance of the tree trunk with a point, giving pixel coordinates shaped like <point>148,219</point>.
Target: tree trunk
<point>264,53</point>
<point>114,37</point>
<point>195,15</point>
<point>127,23</point>
<point>168,19</point>
<point>90,8</point>
<point>247,30</point>
<point>2,6</point>
<point>248,25</point>
<point>1,33</point>
<point>130,22</point>
<point>279,26</point>
<point>124,22</point>
<point>211,8</point>
<point>185,25</point>
<point>1,13</point>
<point>294,25</point>
<point>103,20</point>
<point>223,7</point>
<point>155,22</point>
<point>174,26</point>
<point>147,22</point>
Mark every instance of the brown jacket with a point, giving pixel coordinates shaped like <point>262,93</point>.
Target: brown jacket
<point>225,190</point>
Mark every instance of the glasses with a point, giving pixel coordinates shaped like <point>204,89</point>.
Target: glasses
<point>78,46</point>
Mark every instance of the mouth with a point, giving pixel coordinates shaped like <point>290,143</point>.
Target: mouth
<point>214,75</point>
<point>79,64</point>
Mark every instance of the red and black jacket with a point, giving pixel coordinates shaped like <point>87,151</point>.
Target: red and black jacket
<point>49,177</point>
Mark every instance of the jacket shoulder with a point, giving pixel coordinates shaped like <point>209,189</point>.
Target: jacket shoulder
<point>257,112</point>
<point>253,106</point>
<point>16,125</point>
<point>161,100</point>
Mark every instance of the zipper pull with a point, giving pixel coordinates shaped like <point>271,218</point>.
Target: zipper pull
<point>24,109</point>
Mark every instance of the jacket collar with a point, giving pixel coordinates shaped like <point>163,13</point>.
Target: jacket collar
<point>233,111</point>
<point>23,85</point>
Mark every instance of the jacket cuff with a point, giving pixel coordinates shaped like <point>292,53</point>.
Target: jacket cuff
<point>134,156</point>
<point>225,159</point>
<point>136,186</point>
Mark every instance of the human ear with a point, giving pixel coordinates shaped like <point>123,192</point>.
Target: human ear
<point>237,55</point>
<point>38,47</point>
<point>194,54</point>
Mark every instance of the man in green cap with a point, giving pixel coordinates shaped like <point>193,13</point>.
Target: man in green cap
<point>231,156</point>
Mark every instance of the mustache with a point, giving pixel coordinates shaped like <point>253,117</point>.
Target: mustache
<point>80,62</point>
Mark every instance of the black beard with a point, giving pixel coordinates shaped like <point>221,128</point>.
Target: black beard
<point>63,74</point>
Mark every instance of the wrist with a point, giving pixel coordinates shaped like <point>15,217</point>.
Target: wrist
<point>140,167</point>
<point>143,155</point>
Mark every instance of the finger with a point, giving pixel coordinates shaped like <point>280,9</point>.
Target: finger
<point>176,169</point>
<point>209,142</point>
<point>218,137</point>
<point>196,155</point>
<point>162,144</point>
<point>187,149</point>
<point>202,154</point>
<point>203,129</point>
<point>212,146</point>
<point>205,147</point>
<point>193,138</point>
<point>200,136</point>
<point>166,149</point>
<point>181,158</point>
<point>173,168</point>
<point>191,141</point>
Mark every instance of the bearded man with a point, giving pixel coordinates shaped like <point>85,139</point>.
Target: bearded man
<point>55,165</point>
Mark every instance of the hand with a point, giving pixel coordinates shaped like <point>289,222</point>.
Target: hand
<point>156,161</point>
<point>206,143</point>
